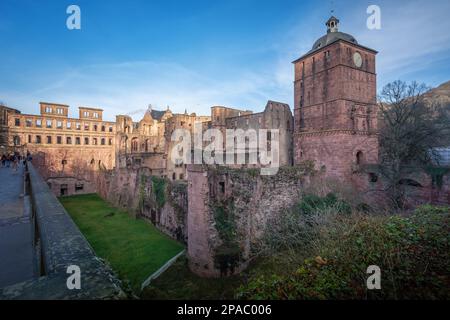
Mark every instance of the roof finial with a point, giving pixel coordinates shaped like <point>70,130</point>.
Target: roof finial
<point>150,108</point>
<point>332,24</point>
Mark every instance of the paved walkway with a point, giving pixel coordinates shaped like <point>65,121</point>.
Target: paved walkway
<point>16,246</point>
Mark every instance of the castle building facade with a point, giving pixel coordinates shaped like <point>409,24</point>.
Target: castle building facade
<point>335,104</point>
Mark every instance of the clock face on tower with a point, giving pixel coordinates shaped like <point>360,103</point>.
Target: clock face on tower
<point>357,59</point>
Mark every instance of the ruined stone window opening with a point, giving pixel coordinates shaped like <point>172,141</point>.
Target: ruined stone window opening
<point>181,176</point>
<point>103,128</point>
<point>79,187</point>
<point>59,124</point>
<point>29,138</point>
<point>69,140</point>
<point>94,141</point>
<point>174,177</point>
<point>95,127</point>
<point>69,125</point>
<point>110,142</point>
<point>86,141</point>
<point>222,187</point>
<point>78,126</point>
<point>77,140</point>
<point>29,122</point>
<point>49,123</point>
<point>64,189</point>
<point>373,177</point>
<point>59,140</point>
<point>86,126</point>
<point>38,139</point>
<point>38,123</point>
<point>103,142</point>
<point>134,145</point>
<point>49,139</point>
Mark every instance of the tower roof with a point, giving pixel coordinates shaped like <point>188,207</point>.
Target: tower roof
<point>333,34</point>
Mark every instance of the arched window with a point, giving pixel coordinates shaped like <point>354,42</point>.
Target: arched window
<point>359,157</point>
<point>134,145</point>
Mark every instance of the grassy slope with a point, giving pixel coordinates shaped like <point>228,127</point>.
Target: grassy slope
<point>134,248</point>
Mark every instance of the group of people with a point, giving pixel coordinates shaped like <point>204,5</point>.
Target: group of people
<point>14,160</point>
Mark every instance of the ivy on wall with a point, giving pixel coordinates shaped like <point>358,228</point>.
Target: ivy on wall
<point>228,254</point>
<point>159,186</point>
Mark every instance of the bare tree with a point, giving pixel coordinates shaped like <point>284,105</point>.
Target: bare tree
<point>410,128</point>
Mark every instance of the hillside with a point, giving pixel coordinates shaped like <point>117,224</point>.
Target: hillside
<point>441,93</point>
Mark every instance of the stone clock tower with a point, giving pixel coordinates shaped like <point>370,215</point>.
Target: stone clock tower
<point>335,104</point>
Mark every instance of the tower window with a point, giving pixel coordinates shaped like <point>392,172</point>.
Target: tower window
<point>359,158</point>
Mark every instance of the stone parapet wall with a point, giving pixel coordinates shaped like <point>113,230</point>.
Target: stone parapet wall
<point>60,244</point>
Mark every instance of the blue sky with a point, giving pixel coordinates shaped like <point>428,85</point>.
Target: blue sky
<point>196,54</point>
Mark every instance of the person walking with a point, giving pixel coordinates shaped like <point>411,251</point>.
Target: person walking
<point>15,162</point>
<point>8,160</point>
<point>3,160</point>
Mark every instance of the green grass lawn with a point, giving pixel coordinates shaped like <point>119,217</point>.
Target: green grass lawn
<point>134,248</point>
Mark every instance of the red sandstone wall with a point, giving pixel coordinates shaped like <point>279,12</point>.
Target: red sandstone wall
<point>336,151</point>
<point>200,255</point>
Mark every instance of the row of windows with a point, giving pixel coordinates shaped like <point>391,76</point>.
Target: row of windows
<point>68,140</point>
<point>58,110</point>
<point>87,114</point>
<point>60,124</point>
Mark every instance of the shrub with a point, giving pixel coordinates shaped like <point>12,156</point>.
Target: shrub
<point>311,203</point>
<point>413,253</point>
